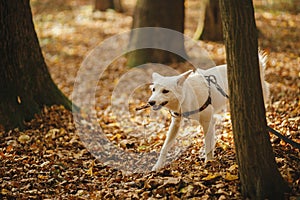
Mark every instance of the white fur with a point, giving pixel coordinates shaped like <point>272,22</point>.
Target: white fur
<point>187,92</point>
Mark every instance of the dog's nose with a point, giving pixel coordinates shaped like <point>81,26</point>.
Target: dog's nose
<point>151,103</point>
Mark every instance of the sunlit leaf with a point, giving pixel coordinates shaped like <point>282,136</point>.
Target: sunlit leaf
<point>230,177</point>
<point>211,176</point>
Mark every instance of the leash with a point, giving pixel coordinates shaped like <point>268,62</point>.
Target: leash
<point>211,79</point>
<point>284,138</point>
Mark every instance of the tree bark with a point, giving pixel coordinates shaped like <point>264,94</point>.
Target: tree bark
<point>103,5</point>
<point>156,13</point>
<point>211,29</point>
<point>25,84</point>
<point>258,171</point>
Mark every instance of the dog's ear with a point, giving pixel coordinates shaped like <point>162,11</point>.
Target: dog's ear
<point>183,77</point>
<point>156,76</point>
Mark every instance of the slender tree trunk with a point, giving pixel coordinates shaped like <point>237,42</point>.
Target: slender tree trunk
<point>25,84</point>
<point>258,171</point>
<point>156,13</point>
<point>211,29</point>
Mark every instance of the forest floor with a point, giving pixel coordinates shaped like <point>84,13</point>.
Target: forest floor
<point>50,159</point>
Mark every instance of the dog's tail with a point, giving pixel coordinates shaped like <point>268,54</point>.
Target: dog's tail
<point>263,58</point>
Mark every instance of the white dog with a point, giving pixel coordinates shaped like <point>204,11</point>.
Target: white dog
<point>195,95</point>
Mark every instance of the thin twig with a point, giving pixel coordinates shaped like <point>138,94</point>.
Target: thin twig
<point>142,107</point>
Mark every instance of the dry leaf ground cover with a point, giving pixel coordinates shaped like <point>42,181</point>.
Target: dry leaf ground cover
<point>48,160</point>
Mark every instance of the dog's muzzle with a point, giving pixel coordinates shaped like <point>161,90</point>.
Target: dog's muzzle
<point>157,107</point>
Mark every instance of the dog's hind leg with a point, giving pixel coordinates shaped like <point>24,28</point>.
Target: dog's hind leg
<point>209,137</point>
<point>171,136</point>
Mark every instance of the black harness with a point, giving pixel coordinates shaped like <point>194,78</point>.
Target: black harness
<point>188,113</point>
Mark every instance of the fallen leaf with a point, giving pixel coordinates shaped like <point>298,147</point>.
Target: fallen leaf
<point>23,138</point>
<point>187,189</point>
<point>211,176</point>
<point>171,180</point>
<point>230,177</point>
<point>233,167</point>
<point>90,171</point>
<point>4,191</point>
<point>9,148</point>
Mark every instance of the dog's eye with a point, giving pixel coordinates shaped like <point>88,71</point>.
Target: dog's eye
<point>153,89</point>
<point>165,91</point>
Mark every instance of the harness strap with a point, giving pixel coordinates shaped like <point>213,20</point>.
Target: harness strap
<point>210,79</point>
<point>188,113</point>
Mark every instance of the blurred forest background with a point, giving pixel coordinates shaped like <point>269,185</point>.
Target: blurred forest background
<point>69,30</point>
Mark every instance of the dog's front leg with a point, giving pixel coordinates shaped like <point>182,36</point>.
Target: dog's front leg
<point>209,137</point>
<point>171,136</point>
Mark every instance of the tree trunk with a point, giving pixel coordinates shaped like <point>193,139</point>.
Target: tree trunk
<point>212,27</point>
<point>103,5</point>
<point>25,84</point>
<point>258,171</point>
<point>156,13</point>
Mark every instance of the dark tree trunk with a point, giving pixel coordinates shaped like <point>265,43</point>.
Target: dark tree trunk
<point>211,29</point>
<point>258,171</point>
<point>156,13</point>
<point>103,5</point>
<point>25,84</point>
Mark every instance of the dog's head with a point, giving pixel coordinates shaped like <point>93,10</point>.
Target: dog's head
<point>167,91</point>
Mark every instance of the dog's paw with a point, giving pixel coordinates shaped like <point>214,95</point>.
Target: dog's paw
<point>157,166</point>
<point>209,156</point>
